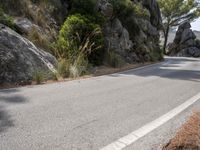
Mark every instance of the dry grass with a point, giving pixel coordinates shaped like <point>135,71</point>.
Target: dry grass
<point>38,38</point>
<point>188,138</point>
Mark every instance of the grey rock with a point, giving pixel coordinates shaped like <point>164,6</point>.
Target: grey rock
<point>117,37</point>
<point>187,34</point>
<point>185,25</point>
<point>193,51</point>
<point>125,37</point>
<point>189,52</point>
<point>197,43</point>
<point>188,43</point>
<point>154,10</point>
<point>25,26</point>
<point>19,58</point>
<point>185,43</point>
<point>148,28</point>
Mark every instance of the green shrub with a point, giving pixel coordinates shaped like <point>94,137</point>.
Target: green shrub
<point>156,55</point>
<point>141,11</point>
<point>122,8</point>
<point>87,7</point>
<point>53,76</point>
<point>126,8</point>
<point>83,6</point>
<point>115,60</point>
<point>79,34</point>
<point>39,76</point>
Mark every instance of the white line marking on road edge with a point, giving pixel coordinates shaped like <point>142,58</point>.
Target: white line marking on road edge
<point>135,135</point>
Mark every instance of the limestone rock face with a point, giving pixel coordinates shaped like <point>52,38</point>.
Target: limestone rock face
<point>154,10</point>
<point>116,36</point>
<point>185,42</point>
<point>132,35</point>
<point>19,58</point>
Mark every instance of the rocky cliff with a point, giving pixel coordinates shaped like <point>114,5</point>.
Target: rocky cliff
<point>20,59</point>
<point>135,36</point>
<point>130,29</point>
<point>185,42</point>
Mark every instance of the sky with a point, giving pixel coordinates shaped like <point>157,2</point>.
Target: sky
<point>196,25</point>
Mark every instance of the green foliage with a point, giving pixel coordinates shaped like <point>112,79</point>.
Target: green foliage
<point>53,76</point>
<point>156,55</point>
<point>122,8</point>
<point>79,34</point>
<point>5,19</point>
<point>39,76</point>
<point>87,7</point>
<point>127,8</point>
<point>115,60</point>
<point>175,12</point>
<point>140,11</point>
<point>83,6</point>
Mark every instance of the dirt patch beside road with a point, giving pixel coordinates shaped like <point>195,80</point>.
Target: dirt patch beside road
<point>188,138</point>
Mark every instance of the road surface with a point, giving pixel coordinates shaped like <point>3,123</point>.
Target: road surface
<point>92,113</point>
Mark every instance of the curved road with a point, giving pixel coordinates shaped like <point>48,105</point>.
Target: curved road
<point>92,113</point>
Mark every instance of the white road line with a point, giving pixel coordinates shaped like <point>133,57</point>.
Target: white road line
<point>135,135</point>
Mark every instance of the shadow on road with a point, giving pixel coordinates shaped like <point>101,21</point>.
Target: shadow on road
<point>178,69</point>
<point>8,97</point>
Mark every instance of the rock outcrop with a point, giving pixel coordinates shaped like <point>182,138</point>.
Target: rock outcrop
<point>47,16</point>
<point>19,58</point>
<point>116,36</point>
<point>25,26</point>
<point>137,37</point>
<point>155,14</point>
<point>185,42</point>
<point>134,36</point>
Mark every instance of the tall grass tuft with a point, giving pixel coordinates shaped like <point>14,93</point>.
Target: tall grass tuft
<point>39,76</point>
<point>63,68</point>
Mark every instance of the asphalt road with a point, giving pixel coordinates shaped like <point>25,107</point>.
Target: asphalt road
<point>92,113</point>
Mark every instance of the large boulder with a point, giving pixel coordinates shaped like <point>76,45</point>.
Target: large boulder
<point>189,52</point>
<point>20,59</point>
<point>116,36</point>
<point>185,43</point>
<point>25,26</point>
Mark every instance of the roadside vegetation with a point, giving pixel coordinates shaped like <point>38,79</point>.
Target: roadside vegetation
<point>79,42</point>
